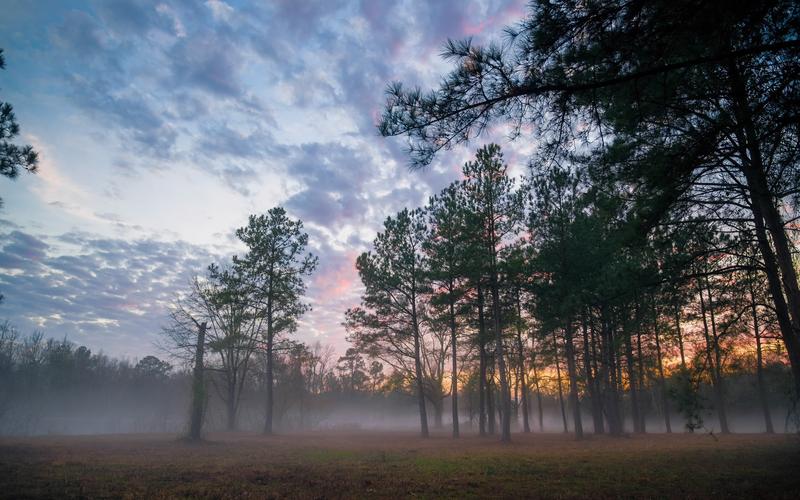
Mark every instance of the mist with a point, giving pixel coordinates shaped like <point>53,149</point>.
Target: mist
<point>54,387</point>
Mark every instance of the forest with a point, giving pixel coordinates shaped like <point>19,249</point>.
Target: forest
<point>628,288</point>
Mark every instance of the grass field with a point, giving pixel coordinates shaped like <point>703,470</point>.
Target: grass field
<point>371,464</point>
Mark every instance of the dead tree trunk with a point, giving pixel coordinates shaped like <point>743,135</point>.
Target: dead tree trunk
<point>198,386</point>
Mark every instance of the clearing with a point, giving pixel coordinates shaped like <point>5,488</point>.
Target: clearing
<point>399,464</point>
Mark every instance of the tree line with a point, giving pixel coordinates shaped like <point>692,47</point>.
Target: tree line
<point>54,386</point>
<point>504,285</point>
<point>661,197</point>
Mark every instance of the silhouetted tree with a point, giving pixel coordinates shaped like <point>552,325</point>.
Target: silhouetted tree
<point>702,110</point>
<point>388,325</point>
<point>496,209</point>
<point>274,271</point>
<point>13,158</point>
<point>445,249</point>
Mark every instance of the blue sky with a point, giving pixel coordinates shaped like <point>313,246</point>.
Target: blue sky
<point>162,124</point>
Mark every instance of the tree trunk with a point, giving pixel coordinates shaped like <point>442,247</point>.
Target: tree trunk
<point>597,407</point>
<point>526,427</point>
<point>270,382</point>
<point>572,372</point>
<point>788,333</point>
<point>454,376</point>
<point>781,273</point>
<point>762,393</point>
<point>230,404</point>
<point>720,385</point>
<point>615,427</point>
<point>538,391</point>
<point>641,381</point>
<point>680,335</point>
<point>662,386</point>
<point>505,396</point>
<point>482,386</point>
<point>198,386</point>
<point>490,409</point>
<point>438,413</point>
<point>632,383</point>
<point>716,382</point>
<point>423,416</point>
<point>560,388</point>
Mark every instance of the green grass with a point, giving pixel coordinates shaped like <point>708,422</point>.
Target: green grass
<point>391,465</point>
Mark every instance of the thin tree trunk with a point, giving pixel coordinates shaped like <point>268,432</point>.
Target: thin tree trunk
<point>270,382</point>
<point>454,377</point>
<point>642,384</point>
<point>662,385</point>
<point>560,388</point>
<point>597,408</point>
<point>525,424</point>
<point>230,404</point>
<point>723,413</point>
<point>516,397</point>
<point>710,337</point>
<point>612,407</point>
<point>572,372</point>
<point>482,386</point>
<point>538,390</point>
<point>423,416</point>
<point>198,386</point>
<point>505,396</point>
<point>680,335</point>
<point>270,362</point>
<point>632,383</point>
<point>762,393</point>
<point>490,408</point>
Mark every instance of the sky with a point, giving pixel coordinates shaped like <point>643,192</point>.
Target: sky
<point>161,125</point>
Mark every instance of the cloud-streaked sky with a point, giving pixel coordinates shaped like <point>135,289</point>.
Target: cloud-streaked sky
<point>162,124</point>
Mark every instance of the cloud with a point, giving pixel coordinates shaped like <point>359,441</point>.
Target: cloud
<point>110,293</point>
<point>276,101</point>
<point>209,62</point>
<point>220,10</point>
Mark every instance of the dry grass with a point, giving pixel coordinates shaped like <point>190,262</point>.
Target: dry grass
<point>336,465</point>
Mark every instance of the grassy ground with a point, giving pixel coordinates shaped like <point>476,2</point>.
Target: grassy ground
<point>335,465</point>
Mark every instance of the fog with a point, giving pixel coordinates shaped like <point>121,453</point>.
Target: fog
<point>54,387</point>
<point>130,413</point>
